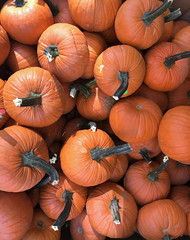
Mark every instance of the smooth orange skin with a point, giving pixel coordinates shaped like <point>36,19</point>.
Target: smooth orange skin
<point>4,45</point>
<point>177,26</point>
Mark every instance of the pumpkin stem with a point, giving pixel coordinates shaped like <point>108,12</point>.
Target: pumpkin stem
<point>53,8</point>
<point>67,196</point>
<point>149,17</point>
<point>114,206</point>
<point>124,78</point>
<point>19,3</point>
<point>42,183</point>
<point>144,153</point>
<point>166,237</point>
<point>172,16</point>
<point>32,100</point>
<point>31,160</point>
<point>80,87</point>
<point>153,176</point>
<point>86,124</point>
<point>170,61</point>
<point>97,154</point>
<point>90,83</point>
<point>51,52</point>
<point>40,224</point>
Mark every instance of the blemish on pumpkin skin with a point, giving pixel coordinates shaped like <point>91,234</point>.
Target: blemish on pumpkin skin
<point>79,230</point>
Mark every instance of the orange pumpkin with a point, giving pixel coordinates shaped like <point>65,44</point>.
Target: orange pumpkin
<point>135,119</point>
<point>35,87</point>
<point>25,21</point>
<point>177,26</point>
<point>62,49</point>
<point>4,117</point>
<point>4,45</point>
<point>119,71</point>
<point>117,210</point>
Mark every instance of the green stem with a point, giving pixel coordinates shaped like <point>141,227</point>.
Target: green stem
<point>144,153</point>
<point>97,154</point>
<point>20,3</point>
<point>31,160</point>
<point>74,88</point>
<point>90,83</point>
<point>172,16</point>
<point>53,8</point>
<point>166,237</point>
<point>153,176</point>
<point>124,78</point>
<point>149,17</point>
<point>51,52</point>
<point>114,206</point>
<point>67,196</point>
<point>32,100</point>
<point>170,61</point>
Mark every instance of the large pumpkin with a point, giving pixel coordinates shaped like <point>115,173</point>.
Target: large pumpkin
<point>33,97</point>
<point>25,21</point>
<point>94,16</point>
<point>62,49</point>
<point>174,134</point>
<point>135,119</point>
<point>4,45</point>
<point>23,159</point>
<point>16,213</point>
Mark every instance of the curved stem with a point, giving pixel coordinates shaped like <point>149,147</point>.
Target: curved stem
<point>97,154</point>
<point>20,3</point>
<point>153,176</point>
<point>166,237</point>
<point>31,160</point>
<point>53,8</point>
<point>114,206</point>
<point>144,153</point>
<point>86,124</point>
<point>90,83</point>
<point>170,61</point>
<point>42,183</point>
<point>173,15</point>
<point>32,100</point>
<point>67,196</point>
<point>149,17</point>
<point>124,78</point>
<point>80,87</point>
<point>51,52</point>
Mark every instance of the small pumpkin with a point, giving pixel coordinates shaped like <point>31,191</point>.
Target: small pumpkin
<point>113,207</point>
<point>25,21</point>
<point>164,217</point>
<point>40,227</point>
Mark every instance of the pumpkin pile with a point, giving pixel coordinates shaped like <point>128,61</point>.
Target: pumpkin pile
<point>94,120</point>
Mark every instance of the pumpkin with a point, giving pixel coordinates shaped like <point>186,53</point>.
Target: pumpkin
<point>147,182</point>
<point>96,45</point>
<point>81,229</point>
<point>164,217</point>
<point>188,224</point>
<point>16,215</point>
<point>145,150</point>
<point>4,117</point>
<point>88,157</point>
<point>64,201</point>
<point>54,152</point>
<point>70,101</point>
<point>95,105</point>
<point>22,56</point>
<point>177,26</point>
<point>179,173</point>
<point>25,21</point>
<point>96,17</point>
<point>164,71</point>
<point>180,95</point>
<point>34,195</point>
<point>182,38</point>
<point>175,124</point>
<point>120,168</point>
<point>113,207</point>
<point>157,96</point>
<point>27,161</point>
<point>119,71</point>
<point>35,87</point>
<point>110,36</point>
<point>135,119</point>
<point>140,23</point>
<point>62,49</point>
<point>4,45</point>
<point>40,227</point>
